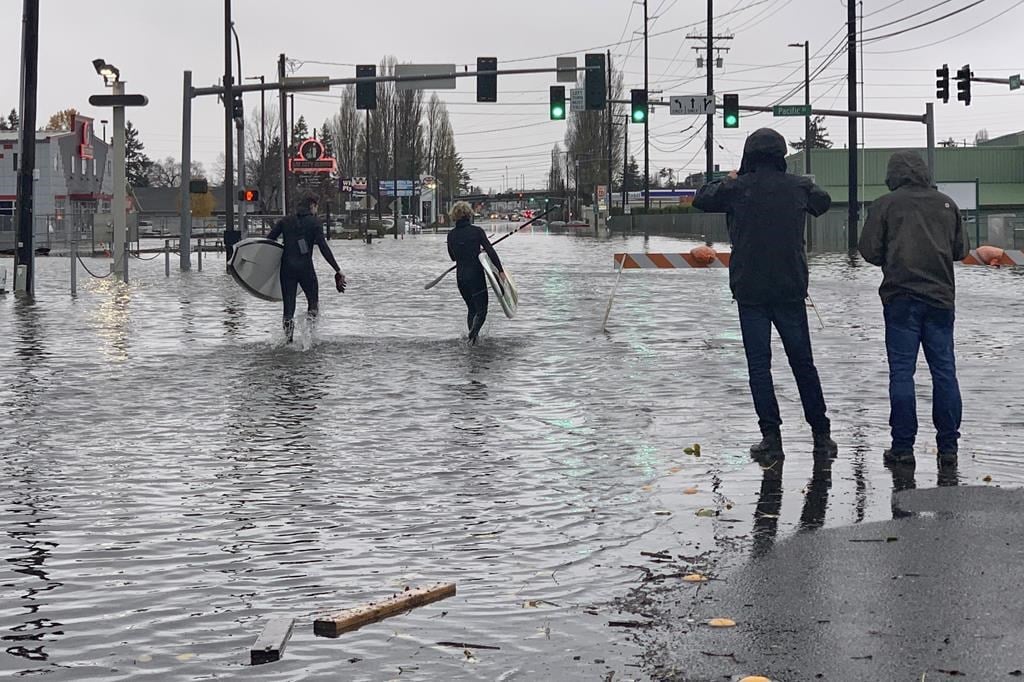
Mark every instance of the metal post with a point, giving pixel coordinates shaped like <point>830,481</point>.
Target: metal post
<point>366,200</point>
<point>853,220</point>
<point>118,205</point>
<point>185,227</point>
<point>243,226</point>
<point>126,254</point>
<point>710,124</point>
<point>394,137</point>
<point>647,116</point>
<point>199,253</point>
<point>808,142</point>
<point>263,137</point>
<point>23,257</point>
<point>284,135</point>
<point>625,164</point>
<point>929,121</point>
<point>977,212</point>
<point>229,133</point>
<point>167,258</point>
<point>609,110</point>
<point>73,248</point>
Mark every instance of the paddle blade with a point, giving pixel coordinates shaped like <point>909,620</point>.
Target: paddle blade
<point>433,283</point>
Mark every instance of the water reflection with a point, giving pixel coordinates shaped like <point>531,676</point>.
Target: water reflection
<point>816,499</point>
<point>111,319</point>
<point>769,504</point>
<point>902,479</point>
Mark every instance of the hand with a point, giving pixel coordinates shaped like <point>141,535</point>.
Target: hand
<point>733,174</point>
<point>339,282</point>
<point>502,277</point>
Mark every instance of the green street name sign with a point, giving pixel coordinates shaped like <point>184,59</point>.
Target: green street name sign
<point>1015,82</point>
<point>791,110</point>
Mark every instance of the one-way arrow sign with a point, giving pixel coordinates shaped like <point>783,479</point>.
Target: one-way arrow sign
<point>700,105</point>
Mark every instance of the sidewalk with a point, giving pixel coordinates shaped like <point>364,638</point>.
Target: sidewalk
<point>935,594</point>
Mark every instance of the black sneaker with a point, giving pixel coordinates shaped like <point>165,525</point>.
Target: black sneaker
<point>769,447</point>
<point>899,457</point>
<point>824,446</point>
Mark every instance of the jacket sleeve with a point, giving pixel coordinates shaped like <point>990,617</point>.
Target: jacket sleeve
<point>818,200</point>
<point>714,197</point>
<point>485,243</point>
<point>872,239</point>
<point>325,249</point>
<point>277,230</point>
<point>961,247</point>
<point>451,252</point>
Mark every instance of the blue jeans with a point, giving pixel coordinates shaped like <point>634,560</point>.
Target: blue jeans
<point>910,324</point>
<point>790,320</point>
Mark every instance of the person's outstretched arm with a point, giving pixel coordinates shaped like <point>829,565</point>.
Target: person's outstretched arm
<point>491,253</point>
<point>325,250</point>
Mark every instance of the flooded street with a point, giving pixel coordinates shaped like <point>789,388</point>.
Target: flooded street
<point>174,474</point>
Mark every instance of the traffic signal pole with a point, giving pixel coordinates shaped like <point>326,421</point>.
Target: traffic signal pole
<point>185,213</point>
<point>709,143</point>
<point>229,132</point>
<point>24,256</point>
<point>853,219</point>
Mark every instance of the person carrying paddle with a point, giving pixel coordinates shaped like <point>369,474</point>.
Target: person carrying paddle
<point>300,233</point>
<point>465,242</point>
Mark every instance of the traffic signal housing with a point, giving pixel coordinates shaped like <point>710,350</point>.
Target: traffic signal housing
<point>366,93</point>
<point>248,195</point>
<point>557,103</point>
<point>638,106</point>
<point>963,84</point>
<point>486,86</point>
<point>237,108</point>
<point>595,87</point>
<point>731,111</point>
<point>942,83</point>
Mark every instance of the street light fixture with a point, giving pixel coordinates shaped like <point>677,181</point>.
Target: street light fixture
<point>110,73</point>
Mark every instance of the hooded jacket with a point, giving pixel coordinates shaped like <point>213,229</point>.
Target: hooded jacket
<point>915,234</point>
<point>765,209</point>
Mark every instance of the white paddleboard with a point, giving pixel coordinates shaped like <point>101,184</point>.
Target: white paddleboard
<point>508,295</point>
<point>256,266</point>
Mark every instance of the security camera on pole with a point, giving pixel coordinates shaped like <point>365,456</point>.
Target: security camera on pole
<point>118,100</point>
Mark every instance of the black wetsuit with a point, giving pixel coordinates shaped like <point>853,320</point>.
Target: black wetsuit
<point>300,233</point>
<point>464,244</point>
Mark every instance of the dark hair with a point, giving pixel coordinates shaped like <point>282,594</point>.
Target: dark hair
<point>307,202</point>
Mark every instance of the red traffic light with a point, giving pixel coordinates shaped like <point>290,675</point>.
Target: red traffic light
<point>248,195</point>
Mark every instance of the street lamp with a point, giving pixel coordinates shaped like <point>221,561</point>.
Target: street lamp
<point>110,73</point>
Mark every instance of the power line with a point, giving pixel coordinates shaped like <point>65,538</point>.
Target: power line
<point>905,18</point>
<point>927,23</point>
<point>955,35</point>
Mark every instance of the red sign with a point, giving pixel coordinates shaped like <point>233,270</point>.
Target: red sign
<point>83,132</point>
<point>312,158</point>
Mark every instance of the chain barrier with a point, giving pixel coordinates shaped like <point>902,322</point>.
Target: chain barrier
<point>93,274</point>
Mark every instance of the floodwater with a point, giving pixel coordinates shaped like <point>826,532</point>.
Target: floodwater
<point>174,475</point>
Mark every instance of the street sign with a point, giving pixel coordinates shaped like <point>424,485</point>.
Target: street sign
<point>406,188</point>
<point>426,70</point>
<point>791,110</point>
<point>307,83</point>
<point>700,105</point>
<point>1015,82</point>
<point>576,100</point>
<point>118,100</point>
<point>566,63</point>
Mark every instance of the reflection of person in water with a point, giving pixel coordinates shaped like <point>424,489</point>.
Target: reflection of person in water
<point>465,241</point>
<point>816,501</point>
<point>769,504</point>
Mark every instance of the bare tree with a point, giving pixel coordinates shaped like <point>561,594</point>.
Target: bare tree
<point>981,136</point>
<point>556,175</point>
<point>167,172</point>
<point>586,140</point>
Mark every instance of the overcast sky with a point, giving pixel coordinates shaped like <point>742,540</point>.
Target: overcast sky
<point>153,42</point>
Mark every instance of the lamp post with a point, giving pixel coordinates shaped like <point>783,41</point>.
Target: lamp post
<point>112,79</point>
<point>104,122</point>
<point>808,142</point>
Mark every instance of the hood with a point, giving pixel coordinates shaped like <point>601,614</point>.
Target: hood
<point>463,222</point>
<point>764,147</point>
<point>907,169</point>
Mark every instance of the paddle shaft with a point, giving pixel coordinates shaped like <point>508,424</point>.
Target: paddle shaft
<point>432,284</point>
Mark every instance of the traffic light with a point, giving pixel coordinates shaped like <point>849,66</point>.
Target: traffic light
<point>557,106</point>
<point>731,110</point>
<point>638,105</point>
<point>366,93</point>
<point>963,84</point>
<point>942,84</point>
<point>248,195</point>
<point>237,109</point>
<point>595,87</point>
<point>486,86</point>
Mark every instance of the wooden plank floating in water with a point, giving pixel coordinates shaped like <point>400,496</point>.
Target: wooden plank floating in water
<point>332,625</point>
<point>269,646</point>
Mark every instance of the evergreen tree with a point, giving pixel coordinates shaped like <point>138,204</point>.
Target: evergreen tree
<point>137,164</point>
<point>13,120</point>
<point>631,178</point>
<point>819,136</point>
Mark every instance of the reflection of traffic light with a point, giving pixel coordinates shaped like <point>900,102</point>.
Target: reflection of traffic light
<point>942,83</point>
<point>557,107</point>
<point>731,110</point>
<point>366,93</point>
<point>638,105</point>
<point>248,195</point>
<point>963,84</point>
<point>595,87</point>
<point>486,86</point>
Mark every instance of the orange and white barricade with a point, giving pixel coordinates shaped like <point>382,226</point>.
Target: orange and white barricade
<point>994,256</point>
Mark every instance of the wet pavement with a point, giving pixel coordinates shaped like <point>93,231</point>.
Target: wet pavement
<point>176,475</point>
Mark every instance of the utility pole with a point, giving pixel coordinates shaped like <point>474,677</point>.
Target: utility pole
<point>710,125</point>
<point>647,117</point>
<point>394,166</point>
<point>853,219</point>
<point>608,112</point>
<point>24,264</point>
<point>185,224</point>
<point>229,133</point>
<point>283,115</point>
<point>625,164</point>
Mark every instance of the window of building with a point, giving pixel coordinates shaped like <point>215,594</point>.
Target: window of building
<point>7,208</point>
<point>56,164</point>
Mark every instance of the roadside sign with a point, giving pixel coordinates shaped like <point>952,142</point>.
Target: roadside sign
<point>307,83</point>
<point>700,105</point>
<point>791,110</point>
<point>1015,82</point>
<point>576,101</point>
<point>426,70</point>
<point>566,63</point>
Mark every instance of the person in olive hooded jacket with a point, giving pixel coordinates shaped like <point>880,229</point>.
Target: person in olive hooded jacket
<point>915,234</point>
<point>765,210</point>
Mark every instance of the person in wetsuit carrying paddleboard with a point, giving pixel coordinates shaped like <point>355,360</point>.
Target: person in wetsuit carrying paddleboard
<point>465,241</point>
<point>300,233</point>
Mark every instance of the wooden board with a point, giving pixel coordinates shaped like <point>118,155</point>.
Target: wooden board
<point>269,646</point>
<point>332,625</point>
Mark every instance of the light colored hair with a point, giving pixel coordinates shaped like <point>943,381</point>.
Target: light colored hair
<point>460,210</point>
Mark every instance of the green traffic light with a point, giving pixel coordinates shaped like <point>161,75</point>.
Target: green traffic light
<point>638,116</point>
<point>557,113</point>
<point>731,121</point>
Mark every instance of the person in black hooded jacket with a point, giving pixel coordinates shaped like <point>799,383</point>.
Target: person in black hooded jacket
<point>765,211</point>
<point>465,242</point>
<point>300,233</point>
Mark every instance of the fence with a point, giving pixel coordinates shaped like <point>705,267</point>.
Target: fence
<point>54,234</point>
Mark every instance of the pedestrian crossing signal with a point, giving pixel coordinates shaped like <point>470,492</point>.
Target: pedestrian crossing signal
<point>557,103</point>
<point>248,195</point>
<point>731,110</point>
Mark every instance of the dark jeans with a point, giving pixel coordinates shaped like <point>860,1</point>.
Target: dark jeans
<point>473,287</point>
<point>291,280</point>
<point>910,324</point>
<point>790,320</point>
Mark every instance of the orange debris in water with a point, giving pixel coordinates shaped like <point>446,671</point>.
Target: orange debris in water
<point>990,255</point>
<point>704,255</point>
